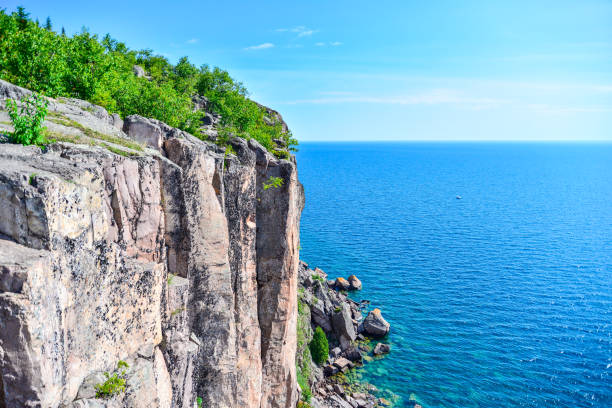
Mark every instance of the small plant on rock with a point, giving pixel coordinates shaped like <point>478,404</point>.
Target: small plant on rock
<point>114,384</point>
<point>319,346</point>
<point>273,182</point>
<point>27,118</point>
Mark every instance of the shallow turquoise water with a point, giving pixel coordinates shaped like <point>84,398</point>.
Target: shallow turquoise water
<point>500,299</point>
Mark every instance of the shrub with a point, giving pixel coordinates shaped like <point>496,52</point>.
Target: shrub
<point>273,182</point>
<point>27,118</point>
<point>114,384</point>
<point>319,346</point>
<point>100,70</point>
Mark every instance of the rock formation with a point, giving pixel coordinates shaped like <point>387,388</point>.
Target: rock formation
<point>134,241</point>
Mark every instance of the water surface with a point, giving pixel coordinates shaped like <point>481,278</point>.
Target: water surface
<point>502,298</point>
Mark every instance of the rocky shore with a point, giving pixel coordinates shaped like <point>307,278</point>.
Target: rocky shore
<point>354,339</point>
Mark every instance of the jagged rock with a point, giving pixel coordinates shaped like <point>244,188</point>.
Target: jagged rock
<point>330,370</point>
<point>343,326</point>
<point>375,325</point>
<point>144,130</point>
<point>139,71</point>
<point>381,349</point>
<point>335,352</point>
<point>342,284</point>
<point>88,387</point>
<point>354,282</point>
<point>352,354</point>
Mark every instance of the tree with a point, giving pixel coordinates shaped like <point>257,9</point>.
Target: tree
<point>22,17</point>
<point>48,25</point>
<point>319,346</point>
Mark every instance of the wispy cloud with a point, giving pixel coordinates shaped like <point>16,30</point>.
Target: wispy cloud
<point>193,41</point>
<point>433,97</point>
<point>300,31</point>
<point>332,44</point>
<point>553,109</point>
<point>260,47</point>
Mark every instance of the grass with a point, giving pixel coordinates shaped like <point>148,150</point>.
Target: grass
<point>177,311</point>
<point>94,134</point>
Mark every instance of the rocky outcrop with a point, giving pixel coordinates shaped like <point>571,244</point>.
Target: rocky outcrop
<point>325,303</point>
<point>375,325</point>
<point>151,247</point>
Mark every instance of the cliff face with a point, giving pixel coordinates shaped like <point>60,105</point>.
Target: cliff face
<point>172,257</point>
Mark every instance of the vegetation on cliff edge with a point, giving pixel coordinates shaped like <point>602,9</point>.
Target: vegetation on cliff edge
<point>102,71</point>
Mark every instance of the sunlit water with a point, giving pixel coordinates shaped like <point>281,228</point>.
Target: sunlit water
<point>500,299</point>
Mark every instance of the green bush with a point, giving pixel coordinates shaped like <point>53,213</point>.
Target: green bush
<point>27,118</point>
<point>114,384</point>
<point>319,346</point>
<point>273,182</point>
<point>101,71</point>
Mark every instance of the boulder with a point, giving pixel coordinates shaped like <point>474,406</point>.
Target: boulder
<point>343,326</point>
<point>342,284</point>
<point>335,352</point>
<point>354,282</point>
<point>138,71</point>
<point>330,370</point>
<point>352,354</point>
<point>343,364</point>
<point>381,348</point>
<point>375,325</point>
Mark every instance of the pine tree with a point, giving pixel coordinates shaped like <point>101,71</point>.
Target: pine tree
<point>63,32</point>
<point>48,25</point>
<point>22,17</point>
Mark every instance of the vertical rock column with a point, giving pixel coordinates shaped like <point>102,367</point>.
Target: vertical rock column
<point>239,185</point>
<point>211,304</point>
<point>278,221</point>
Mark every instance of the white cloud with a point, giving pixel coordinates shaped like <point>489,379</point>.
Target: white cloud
<point>193,41</point>
<point>301,31</point>
<point>320,44</point>
<point>335,43</point>
<point>260,47</point>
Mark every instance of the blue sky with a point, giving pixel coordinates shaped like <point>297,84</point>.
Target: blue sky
<point>388,70</point>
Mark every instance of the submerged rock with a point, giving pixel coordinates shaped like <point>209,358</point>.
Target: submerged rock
<point>381,348</point>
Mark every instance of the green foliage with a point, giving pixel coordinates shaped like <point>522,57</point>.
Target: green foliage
<point>304,386</point>
<point>337,309</point>
<point>101,71</point>
<point>114,384</point>
<point>273,182</point>
<point>32,179</point>
<point>199,401</point>
<point>317,277</point>
<point>27,118</point>
<point>319,346</point>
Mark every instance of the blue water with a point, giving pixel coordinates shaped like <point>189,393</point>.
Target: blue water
<point>500,299</point>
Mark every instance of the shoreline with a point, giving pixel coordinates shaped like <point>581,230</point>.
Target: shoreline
<point>357,335</point>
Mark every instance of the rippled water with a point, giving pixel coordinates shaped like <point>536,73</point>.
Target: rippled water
<point>500,299</point>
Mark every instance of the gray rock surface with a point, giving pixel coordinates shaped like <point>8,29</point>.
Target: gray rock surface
<point>173,258</point>
<point>375,325</point>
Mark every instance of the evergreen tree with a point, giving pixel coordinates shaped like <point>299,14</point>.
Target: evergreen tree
<point>48,25</point>
<point>22,17</point>
<point>63,31</point>
<point>319,346</point>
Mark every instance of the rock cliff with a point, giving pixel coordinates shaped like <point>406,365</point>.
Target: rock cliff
<point>131,242</point>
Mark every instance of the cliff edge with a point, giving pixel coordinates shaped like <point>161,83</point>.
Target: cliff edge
<point>133,249</point>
